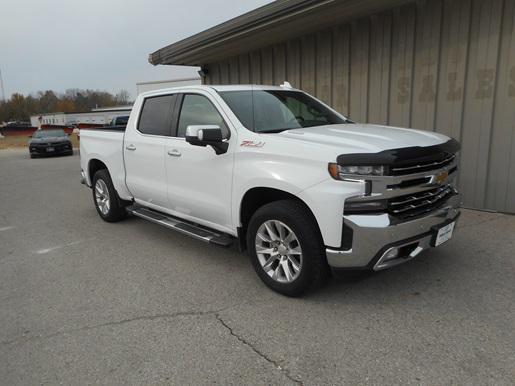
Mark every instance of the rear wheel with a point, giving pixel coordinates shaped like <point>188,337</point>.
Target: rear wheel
<point>106,199</point>
<point>286,248</point>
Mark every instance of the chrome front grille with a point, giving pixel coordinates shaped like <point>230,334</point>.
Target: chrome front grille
<point>412,189</point>
<point>419,203</point>
<point>422,166</point>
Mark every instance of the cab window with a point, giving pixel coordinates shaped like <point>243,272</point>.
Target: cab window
<point>198,110</point>
<point>156,115</point>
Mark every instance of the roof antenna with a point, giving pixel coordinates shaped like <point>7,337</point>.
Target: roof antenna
<point>286,85</point>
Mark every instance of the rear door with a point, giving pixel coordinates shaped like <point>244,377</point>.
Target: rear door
<point>144,151</point>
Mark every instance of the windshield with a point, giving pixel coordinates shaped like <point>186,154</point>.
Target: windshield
<point>273,111</point>
<point>48,133</point>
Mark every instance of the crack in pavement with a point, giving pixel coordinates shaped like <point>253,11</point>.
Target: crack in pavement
<point>283,370</point>
<point>215,313</point>
<point>22,339</point>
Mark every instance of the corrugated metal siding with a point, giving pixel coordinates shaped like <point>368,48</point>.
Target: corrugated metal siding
<point>441,65</point>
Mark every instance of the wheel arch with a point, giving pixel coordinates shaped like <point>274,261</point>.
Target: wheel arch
<point>94,165</point>
<point>255,198</point>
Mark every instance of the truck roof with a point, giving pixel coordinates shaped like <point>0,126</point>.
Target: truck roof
<point>233,87</point>
<point>243,87</point>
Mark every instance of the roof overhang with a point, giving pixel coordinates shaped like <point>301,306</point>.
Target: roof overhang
<point>273,23</point>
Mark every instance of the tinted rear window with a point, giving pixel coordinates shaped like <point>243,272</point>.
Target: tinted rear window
<point>156,115</point>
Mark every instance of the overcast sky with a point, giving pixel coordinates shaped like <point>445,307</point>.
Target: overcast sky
<point>99,44</point>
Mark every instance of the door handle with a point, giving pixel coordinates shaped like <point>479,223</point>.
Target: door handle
<point>130,147</point>
<point>174,153</point>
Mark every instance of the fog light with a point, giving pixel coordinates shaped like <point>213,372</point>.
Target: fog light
<point>391,254</point>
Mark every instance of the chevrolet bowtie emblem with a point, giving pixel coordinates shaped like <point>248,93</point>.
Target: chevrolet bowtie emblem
<point>440,178</point>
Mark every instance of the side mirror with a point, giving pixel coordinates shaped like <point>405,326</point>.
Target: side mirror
<point>207,135</point>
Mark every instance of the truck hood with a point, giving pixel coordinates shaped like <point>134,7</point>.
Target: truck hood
<point>364,138</point>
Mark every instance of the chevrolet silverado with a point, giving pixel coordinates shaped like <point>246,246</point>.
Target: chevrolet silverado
<point>300,186</point>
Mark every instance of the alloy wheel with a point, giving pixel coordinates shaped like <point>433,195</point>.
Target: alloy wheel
<point>278,251</point>
<point>102,197</point>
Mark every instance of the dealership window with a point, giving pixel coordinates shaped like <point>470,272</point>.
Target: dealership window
<point>156,115</point>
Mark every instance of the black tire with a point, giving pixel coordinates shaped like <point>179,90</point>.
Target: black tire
<point>314,270</point>
<point>116,210</point>
<point>32,156</point>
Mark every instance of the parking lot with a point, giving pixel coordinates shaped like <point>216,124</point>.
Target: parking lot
<point>84,301</point>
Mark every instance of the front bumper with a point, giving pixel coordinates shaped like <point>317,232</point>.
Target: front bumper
<point>58,148</point>
<point>373,236</point>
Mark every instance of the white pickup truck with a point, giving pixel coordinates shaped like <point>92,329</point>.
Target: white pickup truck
<point>299,185</point>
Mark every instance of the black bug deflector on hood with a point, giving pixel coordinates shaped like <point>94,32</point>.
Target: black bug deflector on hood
<point>403,157</point>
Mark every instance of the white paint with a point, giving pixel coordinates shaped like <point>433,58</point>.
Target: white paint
<point>6,228</point>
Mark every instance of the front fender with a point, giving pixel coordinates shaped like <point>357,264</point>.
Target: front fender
<point>307,179</point>
<point>261,170</point>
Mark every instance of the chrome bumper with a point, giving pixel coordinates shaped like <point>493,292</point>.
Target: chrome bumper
<point>374,236</point>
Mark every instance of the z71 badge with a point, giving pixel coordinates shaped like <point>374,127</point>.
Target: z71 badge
<point>252,144</point>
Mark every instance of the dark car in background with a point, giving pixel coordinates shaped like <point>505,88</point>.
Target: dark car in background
<point>119,121</point>
<point>50,142</point>
<point>17,124</point>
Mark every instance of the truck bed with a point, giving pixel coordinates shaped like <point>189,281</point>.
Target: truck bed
<point>105,145</point>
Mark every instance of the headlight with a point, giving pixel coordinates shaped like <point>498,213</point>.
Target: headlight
<point>339,172</point>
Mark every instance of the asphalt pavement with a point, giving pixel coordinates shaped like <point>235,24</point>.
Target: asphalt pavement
<point>87,302</point>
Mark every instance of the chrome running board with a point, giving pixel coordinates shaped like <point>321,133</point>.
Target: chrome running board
<point>186,228</point>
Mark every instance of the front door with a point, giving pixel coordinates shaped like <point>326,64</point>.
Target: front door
<point>144,151</point>
<point>199,181</point>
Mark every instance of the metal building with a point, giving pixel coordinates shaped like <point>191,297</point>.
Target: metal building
<point>443,65</point>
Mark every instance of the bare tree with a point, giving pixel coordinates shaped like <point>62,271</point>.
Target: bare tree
<point>123,97</point>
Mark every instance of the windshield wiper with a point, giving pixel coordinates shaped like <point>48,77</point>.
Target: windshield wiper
<point>277,130</point>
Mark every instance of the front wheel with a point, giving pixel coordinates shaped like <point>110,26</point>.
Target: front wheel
<point>106,199</point>
<point>286,248</point>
